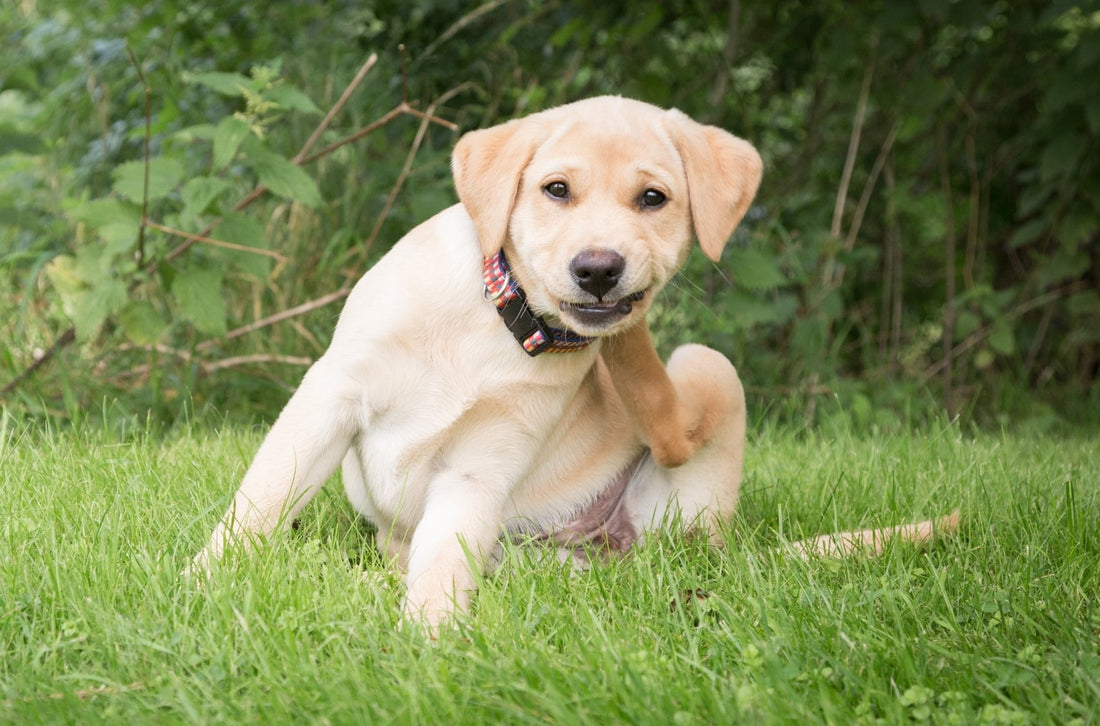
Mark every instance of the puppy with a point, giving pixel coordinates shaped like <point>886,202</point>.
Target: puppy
<point>493,375</point>
<point>464,392</point>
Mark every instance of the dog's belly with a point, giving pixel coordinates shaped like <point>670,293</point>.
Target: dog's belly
<point>607,523</point>
<point>581,515</point>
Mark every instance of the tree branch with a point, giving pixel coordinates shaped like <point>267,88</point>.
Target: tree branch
<point>983,332</point>
<point>864,201</point>
<point>426,117</point>
<point>336,108</point>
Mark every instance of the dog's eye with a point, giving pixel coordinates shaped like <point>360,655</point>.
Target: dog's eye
<point>651,199</point>
<point>557,190</point>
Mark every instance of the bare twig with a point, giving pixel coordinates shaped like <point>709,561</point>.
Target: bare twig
<point>729,54</point>
<point>372,126</point>
<point>459,24</point>
<point>398,185</point>
<point>828,276</point>
<point>890,330</point>
<point>386,118</point>
<point>277,317</point>
<point>336,108</point>
<point>426,118</point>
<point>869,187</point>
<point>157,347</point>
<point>209,367</point>
<point>983,332</point>
<point>243,360</point>
<point>140,254</point>
<point>404,75</point>
<point>949,350</point>
<point>449,125</point>
<point>864,201</point>
<point>853,148</point>
<point>973,228</point>
<point>1040,337</point>
<point>215,242</point>
<point>63,340</point>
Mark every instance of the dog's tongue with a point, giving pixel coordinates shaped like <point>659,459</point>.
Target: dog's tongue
<point>626,304</point>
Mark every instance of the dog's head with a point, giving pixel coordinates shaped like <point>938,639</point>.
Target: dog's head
<point>595,203</point>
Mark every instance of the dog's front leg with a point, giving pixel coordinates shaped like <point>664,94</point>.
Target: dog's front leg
<point>457,534</point>
<point>669,427</point>
<point>301,451</point>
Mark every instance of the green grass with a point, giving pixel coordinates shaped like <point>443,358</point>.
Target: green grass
<point>996,626</point>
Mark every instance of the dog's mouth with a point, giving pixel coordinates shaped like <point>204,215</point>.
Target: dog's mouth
<point>601,313</point>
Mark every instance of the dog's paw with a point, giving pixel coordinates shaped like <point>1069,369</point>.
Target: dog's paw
<point>382,580</point>
<point>426,619</point>
<point>684,431</point>
<point>196,573</point>
<point>671,449</point>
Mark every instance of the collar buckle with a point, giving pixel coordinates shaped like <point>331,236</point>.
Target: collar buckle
<point>529,329</point>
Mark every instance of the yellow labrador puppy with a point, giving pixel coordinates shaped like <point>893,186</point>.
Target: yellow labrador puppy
<point>493,373</point>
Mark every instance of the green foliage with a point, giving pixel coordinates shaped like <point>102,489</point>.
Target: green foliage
<point>925,239</point>
<point>104,279</point>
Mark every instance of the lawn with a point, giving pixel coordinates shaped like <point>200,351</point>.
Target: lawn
<point>999,625</point>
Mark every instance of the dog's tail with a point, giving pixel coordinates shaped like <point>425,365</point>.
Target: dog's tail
<point>872,542</point>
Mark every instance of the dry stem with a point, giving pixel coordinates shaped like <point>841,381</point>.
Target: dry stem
<point>215,242</point>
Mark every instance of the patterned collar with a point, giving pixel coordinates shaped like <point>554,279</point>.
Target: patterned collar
<point>529,329</point>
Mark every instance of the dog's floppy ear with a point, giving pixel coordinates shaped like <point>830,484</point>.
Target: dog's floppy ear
<point>723,174</point>
<point>487,166</point>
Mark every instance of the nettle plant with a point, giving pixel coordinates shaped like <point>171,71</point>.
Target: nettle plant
<point>129,272</point>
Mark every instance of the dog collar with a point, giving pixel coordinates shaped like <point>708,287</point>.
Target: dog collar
<point>532,332</point>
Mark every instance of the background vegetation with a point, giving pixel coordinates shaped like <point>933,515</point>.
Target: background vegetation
<point>926,239</point>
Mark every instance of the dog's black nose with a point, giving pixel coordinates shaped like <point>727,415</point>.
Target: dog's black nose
<point>597,271</point>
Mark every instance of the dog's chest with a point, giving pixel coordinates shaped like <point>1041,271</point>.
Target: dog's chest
<point>436,425</point>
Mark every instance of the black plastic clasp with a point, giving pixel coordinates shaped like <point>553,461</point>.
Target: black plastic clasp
<point>523,324</point>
